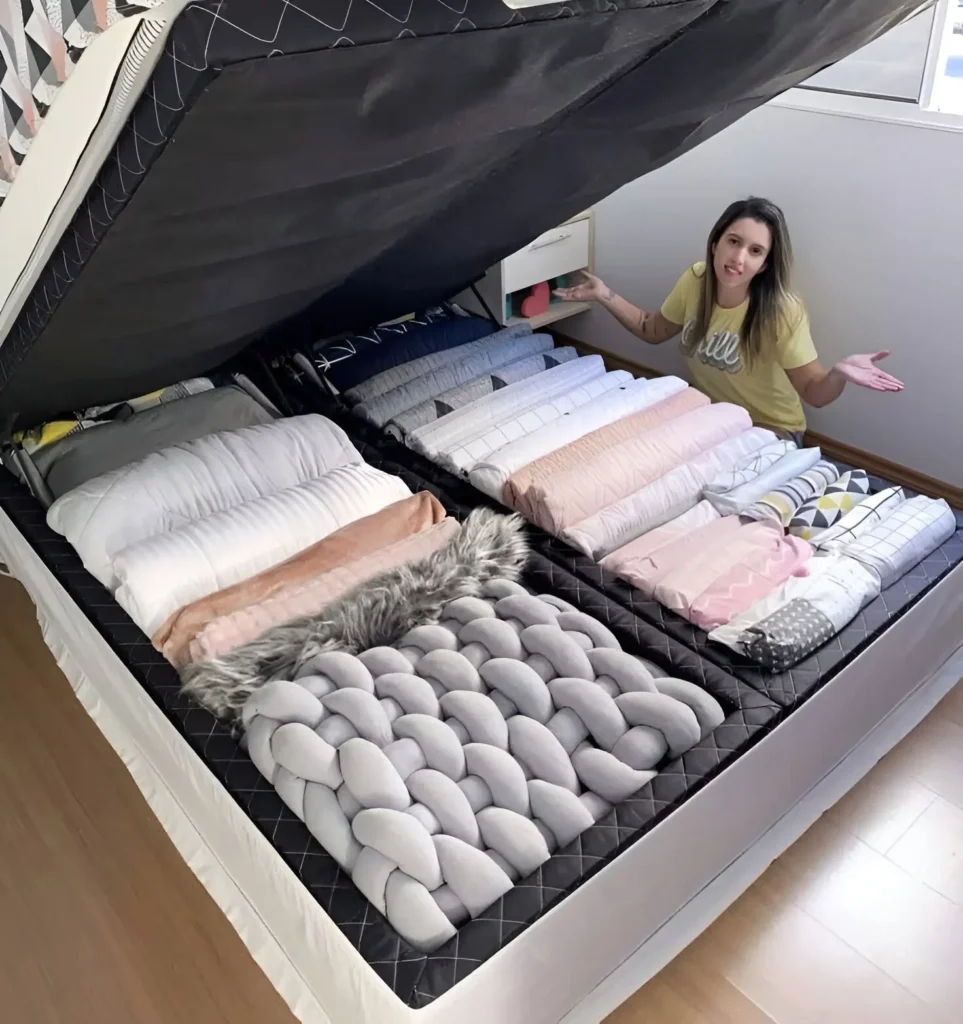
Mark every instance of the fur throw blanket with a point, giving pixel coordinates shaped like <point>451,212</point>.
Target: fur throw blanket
<point>377,613</point>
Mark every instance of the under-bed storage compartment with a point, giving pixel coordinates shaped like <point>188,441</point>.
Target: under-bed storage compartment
<point>418,978</point>
<point>775,563</point>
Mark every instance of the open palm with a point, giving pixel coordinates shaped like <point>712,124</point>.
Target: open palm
<point>589,289</point>
<point>863,371</point>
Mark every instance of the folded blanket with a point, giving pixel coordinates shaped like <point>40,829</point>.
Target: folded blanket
<point>401,352</point>
<point>783,502</point>
<point>616,525</point>
<point>187,482</point>
<point>860,520</point>
<point>167,571</point>
<point>81,456</point>
<point>349,360</point>
<point>212,636</point>
<point>448,440</point>
<point>553,412</point>
<point>825,510</point>
<point>645,564</point>
<point>802,614</point>
<point>730,574</point>
<point>904,538</point>
<point>750,468</point>
<point>589,447</point>
<point>737,500</point>
<point>753,575</point>
<point>517,444</point>
<point>224,634</point>
<point>566,498</point>
<point>466,362</point>
<point>362,536</point>
<point>631,556</point>
<point>457,398</point>
<point>38,438</point>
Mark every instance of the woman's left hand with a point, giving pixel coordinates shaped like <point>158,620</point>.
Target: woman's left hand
<point>863,371</point>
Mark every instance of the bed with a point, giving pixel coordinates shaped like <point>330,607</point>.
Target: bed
<point>147,264</point>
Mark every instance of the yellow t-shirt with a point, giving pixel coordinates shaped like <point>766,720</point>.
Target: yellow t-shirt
<point>715,364</point>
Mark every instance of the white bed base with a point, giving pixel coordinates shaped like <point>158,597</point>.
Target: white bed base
<point>601,943</point>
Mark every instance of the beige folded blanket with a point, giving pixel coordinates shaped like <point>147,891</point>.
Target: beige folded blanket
<point>582,451</point>
<point>223,634</point>
<point>393,523</point>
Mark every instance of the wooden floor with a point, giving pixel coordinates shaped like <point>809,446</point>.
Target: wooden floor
<point>861,922</point>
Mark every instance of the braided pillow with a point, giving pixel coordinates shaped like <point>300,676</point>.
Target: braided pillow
<point>440,771</point>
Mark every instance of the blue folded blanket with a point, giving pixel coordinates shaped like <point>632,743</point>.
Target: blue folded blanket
<point>348,362</point>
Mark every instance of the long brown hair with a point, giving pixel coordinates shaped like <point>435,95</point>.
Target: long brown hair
<point>772,305</point>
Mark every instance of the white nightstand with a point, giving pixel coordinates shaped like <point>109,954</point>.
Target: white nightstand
<point>557,253</point>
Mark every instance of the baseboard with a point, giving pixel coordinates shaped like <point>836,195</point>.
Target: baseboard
<point>875,465</point>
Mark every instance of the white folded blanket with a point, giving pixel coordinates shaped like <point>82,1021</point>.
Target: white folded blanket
<point>662,500</point>
<point>866,516</point>
<point>187,482</point>
<point>738,499</point>
<point>904,538</point>
<point>436,440</point>
<point>523,444</point>
<point>164,572</point>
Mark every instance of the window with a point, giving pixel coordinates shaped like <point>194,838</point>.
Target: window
<point>912,72</point>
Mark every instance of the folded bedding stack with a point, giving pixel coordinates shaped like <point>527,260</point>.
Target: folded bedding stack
<point>349,361</point>
<point>62,454</point>
<point>208,543</point>
<point>441,770</point>
<point>684,500</point>
<point>867,550</point>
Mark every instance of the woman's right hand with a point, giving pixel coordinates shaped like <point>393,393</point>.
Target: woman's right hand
<point>589,289</point>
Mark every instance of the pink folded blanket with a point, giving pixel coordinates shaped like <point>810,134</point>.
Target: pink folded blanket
<point>719,561</point>
<point>571,496</point>
<point>631,556</point>
<point>645,568</point>
<point>576,454</point>
<point>355,540</point>
<point>754,576</point>
<point>311,598</point>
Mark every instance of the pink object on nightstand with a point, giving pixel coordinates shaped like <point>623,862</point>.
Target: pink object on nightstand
<point>537,302</point>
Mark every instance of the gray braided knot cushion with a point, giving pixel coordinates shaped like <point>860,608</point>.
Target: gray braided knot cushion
<point>440,771</point>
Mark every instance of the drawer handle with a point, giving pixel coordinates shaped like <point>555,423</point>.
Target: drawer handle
<point>554,240</point>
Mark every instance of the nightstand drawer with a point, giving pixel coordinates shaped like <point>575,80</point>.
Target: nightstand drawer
<point>559,251</point>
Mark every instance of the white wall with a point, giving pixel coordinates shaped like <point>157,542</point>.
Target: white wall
<point>876,215</point>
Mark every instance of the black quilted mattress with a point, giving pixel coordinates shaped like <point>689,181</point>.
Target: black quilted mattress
<point>295,170</point>
<point>787,689</point>
<point>417,978</point>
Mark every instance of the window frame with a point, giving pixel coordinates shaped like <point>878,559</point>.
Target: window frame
<point>922,114</point>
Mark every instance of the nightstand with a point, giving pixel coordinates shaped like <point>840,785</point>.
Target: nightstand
<point>555,256</point>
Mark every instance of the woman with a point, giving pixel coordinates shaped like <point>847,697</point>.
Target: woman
<point>745,335</point>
